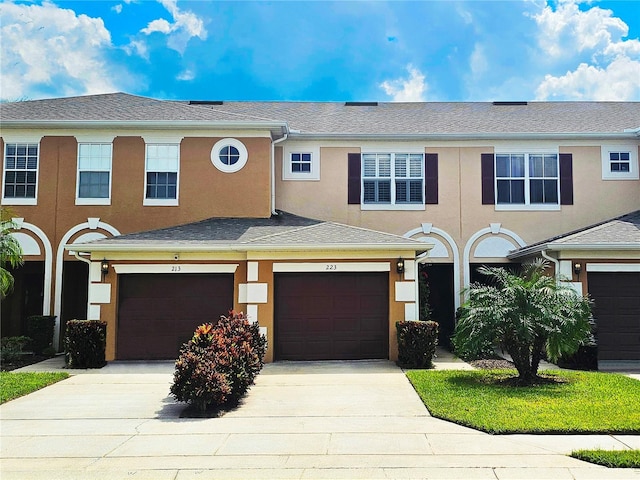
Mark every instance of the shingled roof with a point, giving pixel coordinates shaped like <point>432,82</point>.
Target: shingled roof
<point>283,231</point>
<point>344,118</point>
<point>621,233</point>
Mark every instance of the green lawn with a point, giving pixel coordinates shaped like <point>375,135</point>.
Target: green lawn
<point>610,458</point>
<point>586,402</point>
<point>14,385</point>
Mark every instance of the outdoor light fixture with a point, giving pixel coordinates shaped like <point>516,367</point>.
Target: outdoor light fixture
<point>400,265</point>
<point>577,268</point>
<point>104,266</point>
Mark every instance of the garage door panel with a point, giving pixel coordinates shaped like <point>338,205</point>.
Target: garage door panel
<point>158,313</point>
<point>617,312</point>
<point>334,316</point>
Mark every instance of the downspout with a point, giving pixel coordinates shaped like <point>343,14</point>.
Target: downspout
<point>273,171</point>
<point>87,261</point>
<point>556,263</point>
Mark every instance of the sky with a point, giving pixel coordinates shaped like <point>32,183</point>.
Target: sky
<point>399,51</point>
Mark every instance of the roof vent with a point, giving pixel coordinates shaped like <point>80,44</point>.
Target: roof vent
<point>510,103</point>
<point>205,102</point>
<point>360,104</point>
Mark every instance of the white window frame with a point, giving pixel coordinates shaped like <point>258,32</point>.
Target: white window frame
<point>392,205</point>
<point>160,202</point>
<point>229,142</point>
<point>91,200</point>
<point>287,166</point>
<point>527,180</point>
<point>20,200</point>
<point>632,174</point>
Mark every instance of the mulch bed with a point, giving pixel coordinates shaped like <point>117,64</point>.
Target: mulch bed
<point>28,359</point>
<point>491,363</point>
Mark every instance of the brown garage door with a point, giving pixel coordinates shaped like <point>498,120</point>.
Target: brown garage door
<point>332,316</point>
<point>617,310</point>
<point>158,313</point>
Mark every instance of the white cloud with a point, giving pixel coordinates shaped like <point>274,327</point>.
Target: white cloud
<point>137,47</point>
<point>185,26</point>
<point>619,81</point>
<point>478,60</point>
<point>411,89</point>
<point>117,8</point>
<point>49,49</point>
<point>608,64</point>
<point>186,75</point>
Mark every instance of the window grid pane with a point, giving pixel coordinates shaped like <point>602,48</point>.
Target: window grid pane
<point>162,169</point>
<point>539,170</point>
<point>301,162</point>
<point>378,169</point>
<point>619,162</point>
<point>21,167</point>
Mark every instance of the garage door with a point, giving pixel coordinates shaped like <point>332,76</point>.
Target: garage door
<point>617,311</point>
<point>332,316</point>
<point>158,313</point>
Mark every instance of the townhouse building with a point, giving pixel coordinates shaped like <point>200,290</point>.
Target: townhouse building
<point>317,219</point>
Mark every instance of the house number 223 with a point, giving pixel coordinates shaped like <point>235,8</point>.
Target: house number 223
<point>331,266</point>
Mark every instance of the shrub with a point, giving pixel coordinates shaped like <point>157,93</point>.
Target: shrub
<point>11,348</point>
<point>40,330</point>
<point>85,343</point>
<point>482,349</point>
<point>416,343</point>
<point>219,364</point>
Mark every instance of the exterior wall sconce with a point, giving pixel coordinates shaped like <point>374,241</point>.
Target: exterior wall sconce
<point>104,266</point>
<point>577,268</point>
<point>400,265</point>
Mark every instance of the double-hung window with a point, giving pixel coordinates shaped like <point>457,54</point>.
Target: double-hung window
<point>161,174</point>
<point>94,174</point>
<point>20,173</point>
<point>392,179</point>
<point>527,179</point>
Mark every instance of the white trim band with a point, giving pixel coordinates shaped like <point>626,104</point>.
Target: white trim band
<point>332,267</point>
<point>613,267</point>
<point>175,268</point>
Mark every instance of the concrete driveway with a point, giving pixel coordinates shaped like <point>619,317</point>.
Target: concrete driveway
<point>300,420</point>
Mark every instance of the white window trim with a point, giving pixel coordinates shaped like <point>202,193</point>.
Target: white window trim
<point>232,142</point>
<point>391,206</point>
<point>288,174</point>
<point>161,202</point>
<point>20,201</point>
<point>94,201</point>
<point>526,151</point>
<point>632,174</point>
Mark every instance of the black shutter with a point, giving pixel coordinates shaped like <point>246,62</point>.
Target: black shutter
<point>354,181</point>
<point>431,179</point>
<point>488,191</point>
<point>566,179</point>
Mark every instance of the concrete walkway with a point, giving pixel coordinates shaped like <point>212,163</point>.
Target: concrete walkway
<point>301,420</point>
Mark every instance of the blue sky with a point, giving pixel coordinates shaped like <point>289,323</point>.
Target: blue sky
<point>304,50</point>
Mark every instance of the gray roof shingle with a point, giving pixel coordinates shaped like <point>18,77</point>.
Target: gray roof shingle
<point>282,230</point>
<point>620,232</point>
<point>337,118</point>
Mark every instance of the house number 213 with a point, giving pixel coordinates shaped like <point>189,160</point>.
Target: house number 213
<point>175,268</point>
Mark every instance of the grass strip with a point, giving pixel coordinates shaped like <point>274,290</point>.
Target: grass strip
<point>610,458</point>
<point>577,402</point>
<point>17,384</point>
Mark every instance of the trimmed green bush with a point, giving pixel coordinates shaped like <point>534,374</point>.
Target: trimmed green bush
<point>11,348</point>
<point>40,330</point>
<point>85,343</point>
<point>219,364</point>
<point>416,343</point>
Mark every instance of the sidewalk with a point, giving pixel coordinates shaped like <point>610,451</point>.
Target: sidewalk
<point>301,420</point>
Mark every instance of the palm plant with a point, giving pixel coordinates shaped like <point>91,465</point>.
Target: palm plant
<point>10,252</point>
<point>527,314</point>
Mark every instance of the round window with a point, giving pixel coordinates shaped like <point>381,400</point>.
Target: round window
<point>229,155</point>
